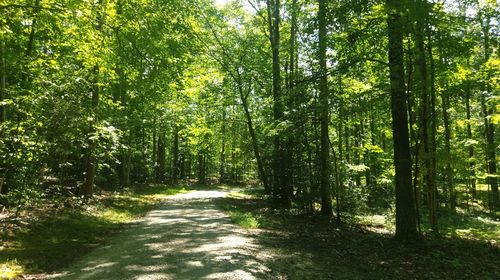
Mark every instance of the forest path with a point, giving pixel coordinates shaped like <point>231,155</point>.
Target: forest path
<point>187,237</point>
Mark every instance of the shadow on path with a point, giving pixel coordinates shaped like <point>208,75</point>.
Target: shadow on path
<point>186,238</point>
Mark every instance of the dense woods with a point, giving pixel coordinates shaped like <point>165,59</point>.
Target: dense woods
<point>342,108</point>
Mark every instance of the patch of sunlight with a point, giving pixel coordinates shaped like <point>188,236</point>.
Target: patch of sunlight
<point>10,270</point>
<point>376,223</point>
<point>154,276</point>
<point>236,274</point>
<point>102,265</point>
<point>225,245</point>
<point>194,263</point>
<point>245,220</point>
<point>165,193</point>
<point>373,220</point>
<point>116,216</point>
<point>236,194</point>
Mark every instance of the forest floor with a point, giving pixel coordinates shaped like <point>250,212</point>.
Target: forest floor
<point>222,232</point>
<point>312,247</point>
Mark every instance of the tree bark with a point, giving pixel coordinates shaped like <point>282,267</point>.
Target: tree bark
<point>471,147</point>
<point>426,116</point>
<point>154,153</point>
<point>175,157</point>
<point>339,169</point>
<point>405,208</point>
<point>160,173</point>
<point>90,165</point>
<point>255,145</point>
<point>280,191</point>
<point>3,81</point>
<point>447,147</point>
<point>324,161</point>
<point>222,168</point>
<point>433,125</point>
<point>91,160</point>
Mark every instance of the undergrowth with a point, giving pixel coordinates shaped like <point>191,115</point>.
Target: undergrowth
<point>313,247</point>
<point>53,236</point>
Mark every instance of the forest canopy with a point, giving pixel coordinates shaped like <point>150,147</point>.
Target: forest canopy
<point>333,107</point>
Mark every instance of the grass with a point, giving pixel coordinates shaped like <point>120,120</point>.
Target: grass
<point>58,236</point>
<point>312,247</point>
<point>245,220</point>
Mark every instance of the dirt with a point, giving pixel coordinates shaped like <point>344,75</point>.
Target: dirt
<point>187,237</point>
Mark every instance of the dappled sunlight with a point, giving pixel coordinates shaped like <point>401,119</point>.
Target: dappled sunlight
<point>101,265</point>
<point>186,238</point>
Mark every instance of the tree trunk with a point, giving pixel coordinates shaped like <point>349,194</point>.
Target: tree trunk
<point>90,165</point>
<point>447,147</point>
<point>126,166</point>
<point>324,161</point>
<point>339,169</point>
<point>154,153</point>
<point>91,161</point>
<point>433,125</point>
<point>255,145</point>
<point>489,128</point>
<point>426,118</point>
<point>222,168</point>
<point>280,191</point>
<point>405,208</point>
<point>3,81</point>
<point>160,173</point>
<point>175,158</point>
<point>471,147</point>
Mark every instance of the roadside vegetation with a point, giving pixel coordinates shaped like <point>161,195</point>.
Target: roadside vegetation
<point>48,236</point>
<point>314,247</point>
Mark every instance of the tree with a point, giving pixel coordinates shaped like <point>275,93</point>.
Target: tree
<point>326,200</point>
<point>405,207</point>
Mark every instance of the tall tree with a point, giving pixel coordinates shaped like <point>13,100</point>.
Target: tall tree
<point>489,127</point>
<point>405,207</point>
<point>280,189</point>
<point>326,200</point>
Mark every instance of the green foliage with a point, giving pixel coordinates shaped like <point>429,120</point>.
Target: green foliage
<point>171,90</point>
<point>244,220</point>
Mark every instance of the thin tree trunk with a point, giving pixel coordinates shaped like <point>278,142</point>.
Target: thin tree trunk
<point>447,147</point>
<point>339,170</point>
<point>471,147</point>
<point>161,157</point>
<point>222,168</point>
<point>90,165</point>
<point>154,153</point>
<point>91,160</point>
<point>3,81</point>
<point>324,162</point>
<point>433,125</point>
<point>29,48</point>
<point>310,192</point>
<point>3,93</point>
<point>175,158</point>
<point>426,121</point>
<point>255,145</point>
<point>126,165</point>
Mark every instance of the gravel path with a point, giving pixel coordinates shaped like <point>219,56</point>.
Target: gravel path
<point>185,238</point>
